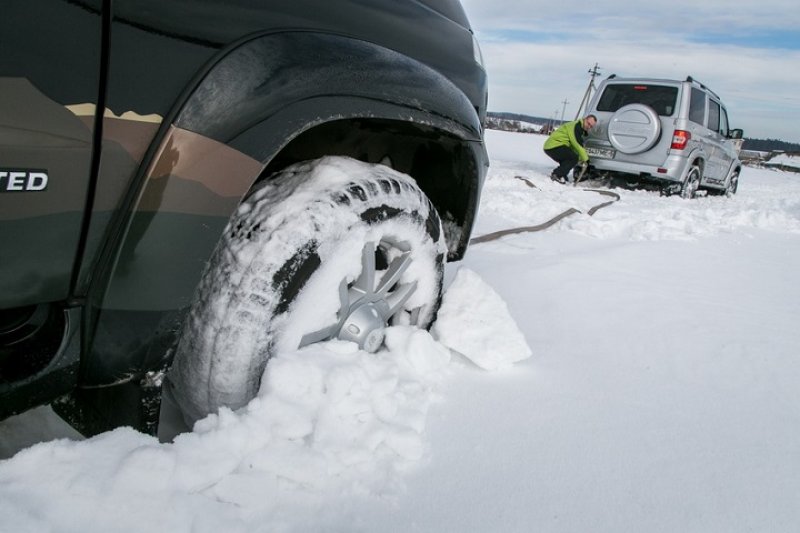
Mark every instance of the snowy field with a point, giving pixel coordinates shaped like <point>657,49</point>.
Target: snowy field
<point>661,394</point>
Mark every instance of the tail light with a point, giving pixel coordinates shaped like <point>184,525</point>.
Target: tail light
<point>679,139</point>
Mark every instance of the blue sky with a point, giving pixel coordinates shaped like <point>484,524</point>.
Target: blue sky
<point>762,39</point>
<point>538,53</point>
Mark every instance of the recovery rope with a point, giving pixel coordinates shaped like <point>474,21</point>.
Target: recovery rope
<point>539,227</point>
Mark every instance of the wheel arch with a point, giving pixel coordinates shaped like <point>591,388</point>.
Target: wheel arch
<point>448,169</point>
<point>262,76</point>
<point>735,169</point>
<point>254,110</point>
<point>697,159</point>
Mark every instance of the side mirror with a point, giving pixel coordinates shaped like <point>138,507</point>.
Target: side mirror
<point>736,134</point>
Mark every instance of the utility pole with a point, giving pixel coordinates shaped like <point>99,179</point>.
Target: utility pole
<point>563,109</point>
<point>588,94</point>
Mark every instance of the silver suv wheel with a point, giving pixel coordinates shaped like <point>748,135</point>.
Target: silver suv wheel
<point>692,183</point>
<point>733,185</point>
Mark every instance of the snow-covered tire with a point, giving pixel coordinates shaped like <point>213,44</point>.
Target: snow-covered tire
<point>692,183</point>
<point>305,248</point>
<point>733,185</point>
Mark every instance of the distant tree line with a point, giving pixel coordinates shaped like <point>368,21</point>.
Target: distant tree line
<point>769,145</point>
<point>502,124</point>
<point>519,117</point>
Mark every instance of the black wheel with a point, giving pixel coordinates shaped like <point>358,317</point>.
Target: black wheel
<point>333,248</point>
<point>692,183</point>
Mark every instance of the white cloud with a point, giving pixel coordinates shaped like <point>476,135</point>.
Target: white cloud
<point>676,16</point>
<point>536,74</point>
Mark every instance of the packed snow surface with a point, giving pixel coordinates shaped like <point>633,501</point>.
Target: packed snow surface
<point>789,160</point>
<point>660,394</point>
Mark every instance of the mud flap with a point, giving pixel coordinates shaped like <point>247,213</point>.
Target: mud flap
<point>135,403</point>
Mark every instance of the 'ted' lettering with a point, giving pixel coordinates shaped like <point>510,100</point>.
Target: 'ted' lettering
<point>23,180</point>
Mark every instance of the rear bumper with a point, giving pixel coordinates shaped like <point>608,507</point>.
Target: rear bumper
<point>673,169</point>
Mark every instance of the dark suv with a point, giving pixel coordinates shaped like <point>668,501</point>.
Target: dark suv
<point>177,177</point>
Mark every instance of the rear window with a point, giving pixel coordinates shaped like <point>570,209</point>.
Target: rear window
<point>661,98</point>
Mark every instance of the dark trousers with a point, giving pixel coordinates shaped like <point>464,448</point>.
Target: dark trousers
<point>565,157</point>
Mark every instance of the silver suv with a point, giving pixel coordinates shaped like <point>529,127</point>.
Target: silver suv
<point>670,133</point>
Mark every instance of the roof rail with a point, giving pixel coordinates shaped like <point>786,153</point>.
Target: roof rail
<point>611,77</point>
<point>692,80</point>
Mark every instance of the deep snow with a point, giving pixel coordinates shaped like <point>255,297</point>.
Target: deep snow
<point>661,394</point>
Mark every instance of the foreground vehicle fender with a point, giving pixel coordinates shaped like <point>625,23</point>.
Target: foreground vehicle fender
<point>240,114</point>
<point>262,77</point>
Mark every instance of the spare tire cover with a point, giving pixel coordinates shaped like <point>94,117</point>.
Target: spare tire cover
<point>634,128</point>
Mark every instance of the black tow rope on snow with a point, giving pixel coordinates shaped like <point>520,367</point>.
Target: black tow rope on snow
<point>539,227</point>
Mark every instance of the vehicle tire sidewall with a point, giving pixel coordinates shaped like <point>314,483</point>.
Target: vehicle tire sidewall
<point>245,297</point>
<point>691,184</point>
<point>733,185</point>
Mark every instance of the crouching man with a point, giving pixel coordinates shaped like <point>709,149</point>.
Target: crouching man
<point>565,146</point>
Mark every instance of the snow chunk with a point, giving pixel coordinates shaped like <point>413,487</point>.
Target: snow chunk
<point>475,322</point>
<point>330,421</point>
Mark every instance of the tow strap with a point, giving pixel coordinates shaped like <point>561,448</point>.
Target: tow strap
<point>539,227</point>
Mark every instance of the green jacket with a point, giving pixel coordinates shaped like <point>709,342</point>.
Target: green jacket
<point>565,136</point>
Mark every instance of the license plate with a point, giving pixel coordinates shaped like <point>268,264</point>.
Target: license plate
<point>606,153</point>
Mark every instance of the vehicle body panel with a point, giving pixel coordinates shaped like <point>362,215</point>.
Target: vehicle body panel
<point>167,112</point>
<point>42,226</point>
